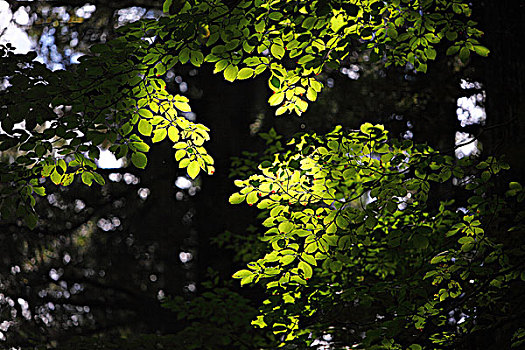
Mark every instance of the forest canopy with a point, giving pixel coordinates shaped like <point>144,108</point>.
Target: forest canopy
<point>363,238</point>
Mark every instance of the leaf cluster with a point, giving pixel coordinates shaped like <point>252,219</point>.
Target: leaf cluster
<point>349,235</point>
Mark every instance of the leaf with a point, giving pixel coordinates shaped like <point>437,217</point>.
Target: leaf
<point>311,94</point>
<point>309,259</point>
<point>247,279</point>
<point>87,178</point>
<point>219,66</point>
<point>184,55</point>
<point>196,58</point>
<point>245,73</point>
<point>452,50</point>
<point>146,113</point>
<point>451,35</point>
<point>166,6</point>
<point>140,146</point>
<point>281,110</point>
<point>145,127</point>
<point>431,53</point>
<point>242,273</point>
<point>309,23</point>
<point>180,154</point>
<point>31,220</point>
<point>276,99</point>
<point>184,163</point>
<point>464,54</point>
<point>285,227</point>
<point>306,268</point>
<point>236,198</point>
<point>139,159</point>
<point>230,73</point>
<point>159,135</point>
<point>126,129</point>
<point>194,169</point>
<point>259,322</point>
<point>252,198</point>
<point>481,50</point>
<point>173,134</point>
<point>55,177</point>
<point>41,191</point>
<point>182,106</point>
<point>98,178</point>
<point>277,51</point>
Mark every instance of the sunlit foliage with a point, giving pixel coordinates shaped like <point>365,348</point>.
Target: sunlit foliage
<point>354,248</point>
<point>117,94</point>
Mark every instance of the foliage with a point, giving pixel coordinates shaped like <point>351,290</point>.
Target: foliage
<point>117,96</point>
<point>350,236</point>
<point>355,248</point>
<point>79,111</point>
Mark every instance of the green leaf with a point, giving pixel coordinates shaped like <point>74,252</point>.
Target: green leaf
<point>31,220</point>
<point>145,127</point>
<point>306,268</point>
<point>141,146</point>
<point>276,99</point>
<point>180,154</point>
<point>166,6</point>
<point>431,53</point>
<point>173,134</point>
<point>481,50</point>
<point>219,66</point>
<point>87,178</point>
<point>309,23</point>
<point>139,159</point>
<point>196,58</point>
<point>236,198</point>
<point>146,113</point>
<point>451,35</point>
<point>230,73</point>
<point>56,177</point>
<point>159,135</point>
<point>277,51</point>
<point>126,129</point>
<point>184,55</point>
<point>62,164</point>
<point>247,279</point>
<point>252,198</point>
<point>464,54</point>
<point>285,227</point>
<point>41,191</point>
<point>182,106</point>
<point>452,50</point>
<point>242,273</point>
<point>245,73</point>
<point>259,322</point>
<point>281,110</point>
<point>310,259</point>
<point>194,169</point>
<point>311,94</point>
<point>98,178</point>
